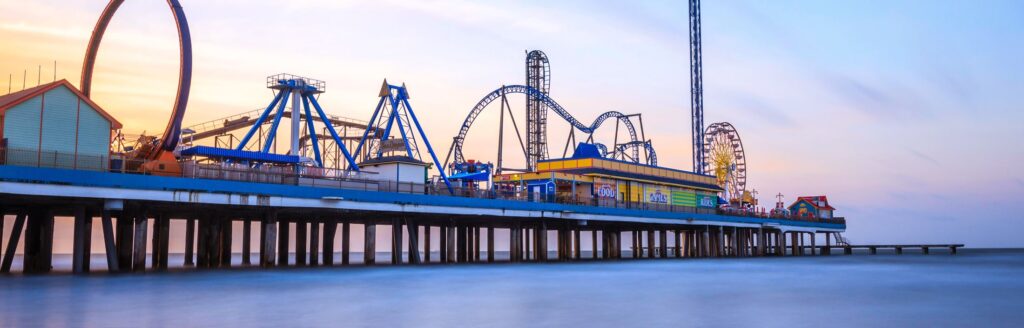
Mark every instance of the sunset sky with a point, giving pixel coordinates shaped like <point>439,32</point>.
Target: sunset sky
<point>907,114</point>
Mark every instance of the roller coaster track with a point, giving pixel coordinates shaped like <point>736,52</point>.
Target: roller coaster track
<point>171,134</point>
<point>554,106</point>
<point>651,155</point>
<point>247,119</point>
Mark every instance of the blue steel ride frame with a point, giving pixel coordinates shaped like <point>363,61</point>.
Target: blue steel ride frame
<point>334,134</point>
<point>280,100</point>
<point>312,131</point>
<point>397,102</point>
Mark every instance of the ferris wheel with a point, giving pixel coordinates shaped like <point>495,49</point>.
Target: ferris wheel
<point>724,159</point>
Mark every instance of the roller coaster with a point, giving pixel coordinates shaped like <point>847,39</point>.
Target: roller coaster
<point>157,152</point>
<point>538,101</point>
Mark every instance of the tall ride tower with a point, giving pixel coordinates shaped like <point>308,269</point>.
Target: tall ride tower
<point>696,88</point>
<point>538,72</point>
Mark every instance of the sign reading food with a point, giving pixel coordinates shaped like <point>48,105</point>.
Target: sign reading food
<point>604,190</point>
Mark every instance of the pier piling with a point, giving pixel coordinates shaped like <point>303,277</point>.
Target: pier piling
<point>301,230</point>
<point>330,231</point>
<point>246,242</point>
<point>190,241</point>
<point>283,232</point>
<point>268,237</point>
<point>109,246</point>
<point>346,247</point>
<point>12,243</point>
<point>370,244</point>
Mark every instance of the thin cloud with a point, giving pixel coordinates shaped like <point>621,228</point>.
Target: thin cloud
<point>923,156</point>
<point>761,110</point>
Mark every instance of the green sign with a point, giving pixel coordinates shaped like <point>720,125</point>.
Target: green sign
<point>706,201</point>
<point>684,198</point>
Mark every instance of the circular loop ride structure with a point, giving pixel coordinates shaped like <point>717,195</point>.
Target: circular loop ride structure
<point>725,159</point>
<point>534,94</point>
<point>172,132</point>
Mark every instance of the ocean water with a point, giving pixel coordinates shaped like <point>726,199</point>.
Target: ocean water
<point>977,288</point>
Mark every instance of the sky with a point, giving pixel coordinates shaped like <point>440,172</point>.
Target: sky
<point>906,114</point>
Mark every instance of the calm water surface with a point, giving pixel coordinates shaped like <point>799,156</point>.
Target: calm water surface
<point>978,288</point>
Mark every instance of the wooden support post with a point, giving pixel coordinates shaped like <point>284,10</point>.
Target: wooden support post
<point>108,241</point>
<point>526,244</point>
<point>577,249</point>
<point>246,242</point>
<point>722,242</point>
<point>678,247</point>
<point>301,229</point>
<point>396,241</point>
<point>426,243</point>
<point>283,244</point>
<point>650,244</point>
<point>451,243</point>
<point>638,244</point>
<point>462,243</point>
<point>268,237</point>
<point>593,244</point>
<point>663,244</point>
<point>490,243</point>
<point>161,242</point>
<point>125,233</point>
<point>442,243</point>
<point>12,243</point>
<point>414,241</point>
<point>847,250</point>
<point>226,230</point>
<point>478,242</point>
<point>346,246</point>
<point>79,257</point>
<point>512,243</point>
<point>796,243</point>
<point>330,230</point>
<point>828,244</point>
<point>209,242</point>
<point>165,242</point>
<point>703,243</point>
<point>370,244</point>
<point>202,243</point>
<point>155,244</point>
<point>761,242</point>
<point>814,248</point>
<point>190,241</point>
<point>139,251</point>
<point>542,241</point>
<point>314,243</point>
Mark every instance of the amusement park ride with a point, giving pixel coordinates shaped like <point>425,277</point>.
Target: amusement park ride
<point>718,150</point>
<point>538,102</point>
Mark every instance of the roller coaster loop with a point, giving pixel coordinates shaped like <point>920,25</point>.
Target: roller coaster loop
<point>550,103</point>
<point>173,130</point>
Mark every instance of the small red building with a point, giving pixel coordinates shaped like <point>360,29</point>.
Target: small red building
<point>812,206</point>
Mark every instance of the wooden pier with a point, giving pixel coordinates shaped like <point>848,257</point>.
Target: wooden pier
<point>135,233</point>
<point>301,226</point>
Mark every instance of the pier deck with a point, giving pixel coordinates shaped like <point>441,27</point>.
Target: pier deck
<point>126,203</point>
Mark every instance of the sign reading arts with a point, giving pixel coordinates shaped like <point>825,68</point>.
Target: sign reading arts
<point>707,201</point>
<point>657,195</point>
